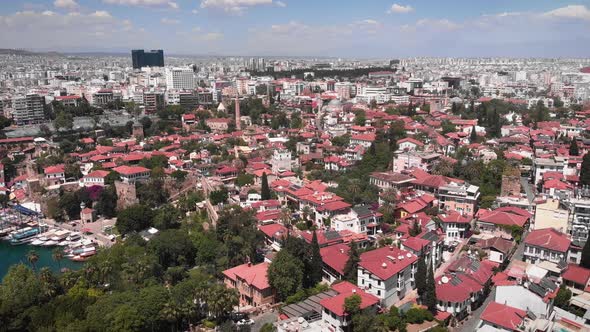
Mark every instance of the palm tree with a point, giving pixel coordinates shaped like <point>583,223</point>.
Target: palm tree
<point>33,258</point>
<point>49,282</point>
<point>57,255</point>
<point>354,187</point>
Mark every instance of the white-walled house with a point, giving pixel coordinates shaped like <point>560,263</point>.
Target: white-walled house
<point>387,273</point>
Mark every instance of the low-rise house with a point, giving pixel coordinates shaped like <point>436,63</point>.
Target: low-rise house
<point>498,249</point>
<point>95,178</point>
<point>275,234</point>
<point>334,317</point>
<point>414,205</point>
<point>546,244</point>
<point>251,282</point>
<point>387,273</point>
<point>54,175</point>
<point>576,278</point>
<point>132,174</point>
<point>390,180</point>
<point>360,219</point>
<point>535,298</point>
<point>334,259</point>
<point>501,221</point>
<point>463,286</point>
<point>455,225</point>
<point>501,317</point>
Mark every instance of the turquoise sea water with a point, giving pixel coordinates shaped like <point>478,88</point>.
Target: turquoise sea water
<point>10,255</point>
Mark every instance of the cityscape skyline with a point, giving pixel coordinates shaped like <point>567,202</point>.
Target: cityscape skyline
<point>287,28</point>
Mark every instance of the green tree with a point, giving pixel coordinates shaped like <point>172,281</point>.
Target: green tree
<point>352,304</point>
<point>285,274</point>
<point>314,273</point>
<point>585,170</point>
<point>351,266</point>
<point>244,179</point>
<point>360,118</point>
<point>20,291</point>
<point>173,247</point>
<point>33,258</point>
<point>574,151</point>
<point>63,120</point>
<point>107,203</point>
<point>218,196</point>
<point>57,255</point>
<point>134,219</point>
<point>420,276</point>
<point>430,295</point>
<point>563,297</point>
<point>264,189</point>
<point>473,135</point>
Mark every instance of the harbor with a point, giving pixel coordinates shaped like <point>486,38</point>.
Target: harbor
<point>23,229</point>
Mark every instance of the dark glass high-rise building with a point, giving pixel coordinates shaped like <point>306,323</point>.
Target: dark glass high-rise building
<point>153,58</point>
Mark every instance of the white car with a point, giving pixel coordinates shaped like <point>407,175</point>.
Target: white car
<point>245,322</point>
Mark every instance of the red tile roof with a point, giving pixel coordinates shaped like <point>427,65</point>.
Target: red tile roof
<point>454,217</point>
<point>502,315</point>
<point>254,275</point>
<point>503,218</point>
<point>577,274</point>
<point>345,289</point>
<point>336,256</point>
<point>548,238</point>
<point>274,230</point>
<point>416,243</point>
<point>130,170</point>
<point>377,261</point>
<point>458,290</point>
<point>54,169</point>
<point>97,174</point>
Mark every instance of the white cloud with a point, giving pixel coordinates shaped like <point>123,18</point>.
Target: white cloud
<point>66,4</point>
<point>570,12</point>
<point>280,4</point>
<point>441,24</point>
<point>144,3</point>
<point>169,21</point>
<point>42,30</point>
<point>196,29</point>
<point>211,36</point>
<point>195,11</point>
<point>400,9</point>
<point>236,7</point>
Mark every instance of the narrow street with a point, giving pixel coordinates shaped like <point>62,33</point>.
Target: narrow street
<point>470,324</point>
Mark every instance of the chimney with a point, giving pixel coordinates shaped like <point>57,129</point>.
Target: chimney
<point>353,291</point>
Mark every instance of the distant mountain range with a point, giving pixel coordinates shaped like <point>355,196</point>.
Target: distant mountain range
<point>9,51</point>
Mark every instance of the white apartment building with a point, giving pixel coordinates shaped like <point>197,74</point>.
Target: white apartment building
<point>180,78</point>
<point>387,273</point>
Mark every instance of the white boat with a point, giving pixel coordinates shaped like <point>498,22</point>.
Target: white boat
<point>63,243</point>
<point>49,243</point>
<point>60,236</point>
<point>74,237</point>
<point>37,242</point>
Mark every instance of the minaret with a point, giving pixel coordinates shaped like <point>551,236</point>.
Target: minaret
<point>238,122</point>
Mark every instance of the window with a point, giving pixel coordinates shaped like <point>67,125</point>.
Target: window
<point>378,293</point>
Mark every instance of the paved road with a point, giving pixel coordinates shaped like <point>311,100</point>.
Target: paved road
<point>470,324</point>
<point>528,189</point>
<point>520,249</point>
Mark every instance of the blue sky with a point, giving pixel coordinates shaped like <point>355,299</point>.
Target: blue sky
<point>367,29</point>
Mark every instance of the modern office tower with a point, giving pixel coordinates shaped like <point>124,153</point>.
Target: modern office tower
<point>28,109</point>
<point>141,58</point>
<point>180,78</point>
